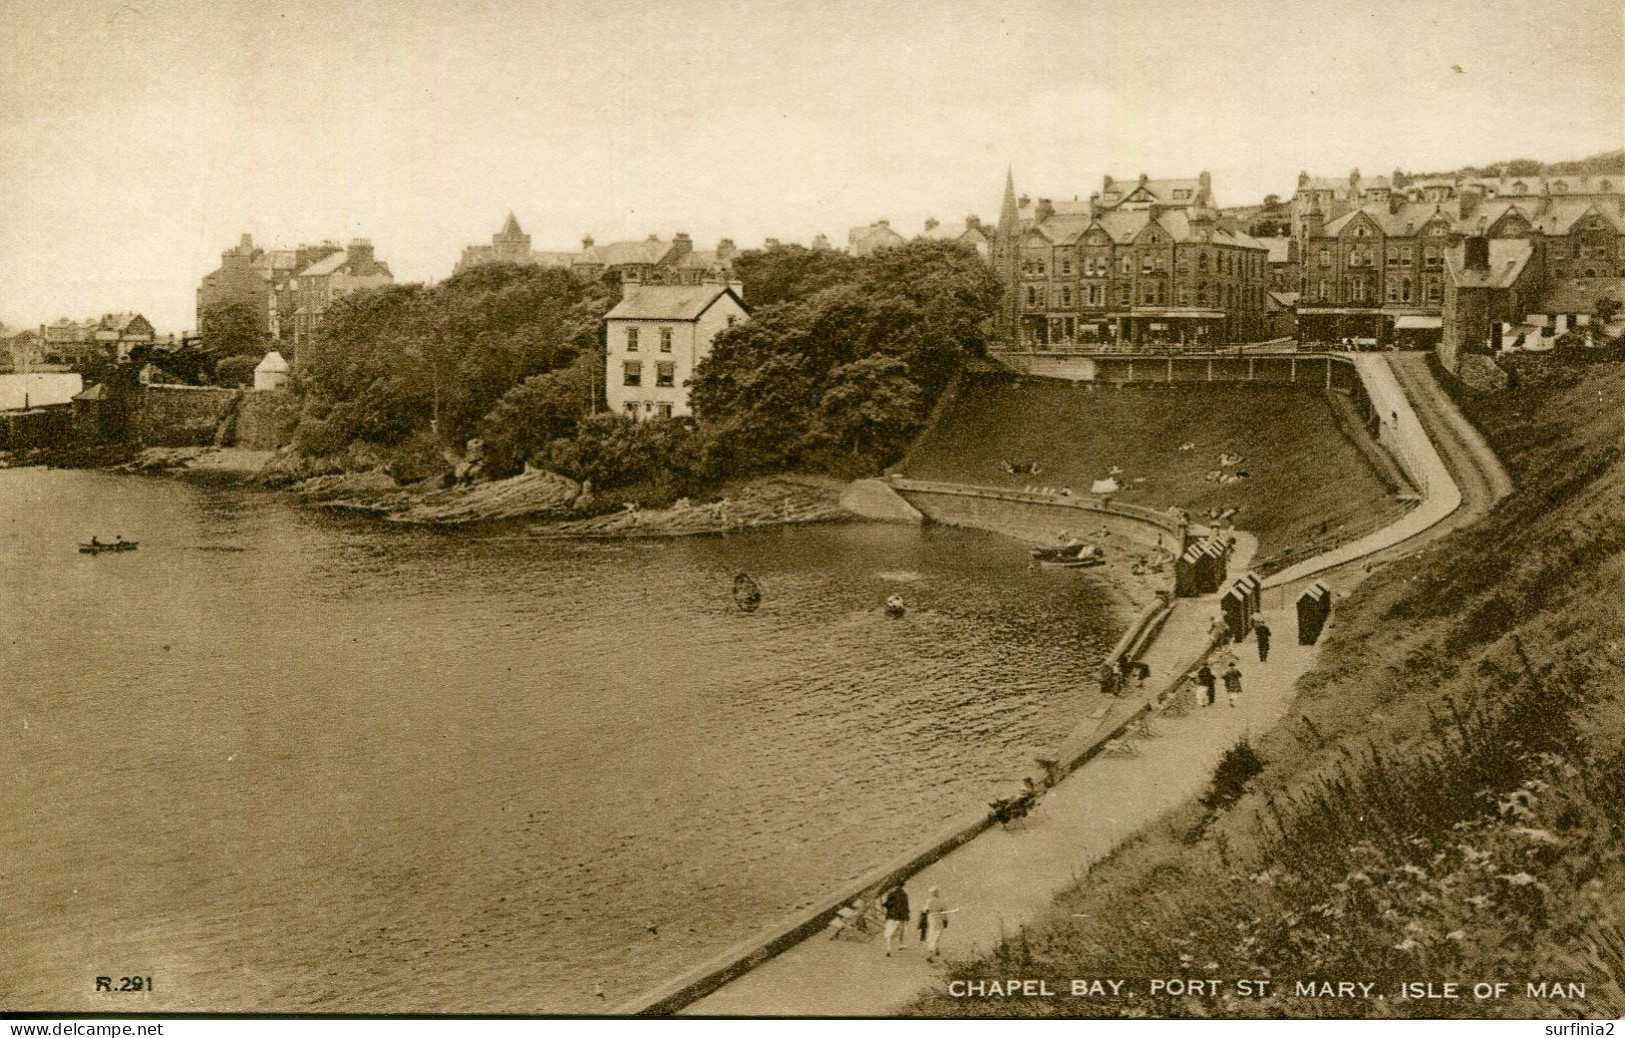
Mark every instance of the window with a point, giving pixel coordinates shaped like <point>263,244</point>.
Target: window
<point>1125,265</point>
<point>1325,256</point>
<point>1201,263</point>
<point>1405,290</point>
<point>1066,265</point>
<point>632,373</point>
<point>1184,295</point>
<point>1161,263</point>
<point>1320,291</point>
<point>1032,296</point>
<point>631,340</point>
<point>665,340</point>
<point>1123,296</point>
<point>1066,295</point>
<point>1432,254</point>
<point>1201,294</point>
<point>665,374</point>
<point>663,410</point>
<point>1433,291</point>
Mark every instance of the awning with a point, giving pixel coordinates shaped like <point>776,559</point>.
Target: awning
<point>1418,322</point>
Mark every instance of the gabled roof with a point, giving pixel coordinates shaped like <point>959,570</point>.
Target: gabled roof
<point>669,302</point>
<point>623,253</point>
<point>1163,192</point>
<point>1508,257</point>
<point>324,266</point>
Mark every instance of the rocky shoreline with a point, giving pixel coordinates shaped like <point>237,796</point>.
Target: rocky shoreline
<point>556,506</point>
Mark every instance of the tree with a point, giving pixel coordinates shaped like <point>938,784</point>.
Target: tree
<point>231,329</point>
<point>235,371</point>
<point>868,403</point>
<point>857,364</point>
<point>401,359</point>
<point>537,411</point>
<point>1605,309</point>
<point>787,273</point>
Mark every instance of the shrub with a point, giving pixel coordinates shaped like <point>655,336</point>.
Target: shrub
<point>1239,765</point>
<point>235,371</point>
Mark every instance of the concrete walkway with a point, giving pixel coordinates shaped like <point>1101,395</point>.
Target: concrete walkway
<point>1440,495</point>
<point>1007,878</point>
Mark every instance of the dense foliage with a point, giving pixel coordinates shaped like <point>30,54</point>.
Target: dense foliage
<point>842,377</point>
<point>231,330</point>
<point>394,361</point>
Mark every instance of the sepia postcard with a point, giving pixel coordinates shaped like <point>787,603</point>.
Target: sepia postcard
<point>955,509</point>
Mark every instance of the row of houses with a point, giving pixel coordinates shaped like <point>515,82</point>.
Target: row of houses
<point>288,290</point>
<point>73,344</point>
<point>1454,263</point>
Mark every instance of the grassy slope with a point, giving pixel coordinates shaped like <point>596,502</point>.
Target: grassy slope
<point>1303,470</point>
<point>1445,800</point>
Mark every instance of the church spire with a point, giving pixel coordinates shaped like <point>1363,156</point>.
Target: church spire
<point>1006,245</point>
<point>1009,213</point>
<point>510,229</point>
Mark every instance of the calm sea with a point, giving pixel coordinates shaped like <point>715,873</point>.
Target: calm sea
<point>279,760</point>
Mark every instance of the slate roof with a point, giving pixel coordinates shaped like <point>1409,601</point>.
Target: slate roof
<point>621,253</point>
<point>668,302</point>
<point>1508,257</point>
<point>1163,191</point>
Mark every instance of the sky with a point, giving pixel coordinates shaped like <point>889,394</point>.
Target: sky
<point>138,139</point>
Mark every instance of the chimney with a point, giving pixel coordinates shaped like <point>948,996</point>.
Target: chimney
<point>1045,210</point>
<point>682,244</point>
<point>1476,254</point>
<point>930,224</point>
<point>1394,203</point>
<point>1470,196</point>
<point>974,223</point>
<point>1354,184</point>
<point>771,243</point>
<point>246,243</point>
<point>1143,180</point>
<point>726,249</point>
<point>359,256</point>
<point>883,222</point>
<point>1024,201</point>
<point>586,242</point>
<point>651,239</point>
<point>1303,179</point>
<point>821,242</point>
<point>1206,180</point>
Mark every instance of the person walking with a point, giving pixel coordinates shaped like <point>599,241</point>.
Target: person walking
<point>1262,632</point>
<point>1208,680</point>
<point>935,918</point>
<point>1232,682</point>
<point>896,906</point>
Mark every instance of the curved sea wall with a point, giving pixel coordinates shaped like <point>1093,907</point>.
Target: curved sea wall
<point>1039,517</point>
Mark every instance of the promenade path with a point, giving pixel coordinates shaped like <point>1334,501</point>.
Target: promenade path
<point>1007,878</point>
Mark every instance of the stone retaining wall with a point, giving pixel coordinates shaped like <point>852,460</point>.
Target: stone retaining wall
<point>181,416</point>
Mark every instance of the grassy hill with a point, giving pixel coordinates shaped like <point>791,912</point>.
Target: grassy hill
<point>1602,163</point>
<point>1444,801</point>
<point>1306,481</point>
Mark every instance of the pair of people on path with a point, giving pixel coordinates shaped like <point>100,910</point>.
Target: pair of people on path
<point>933,920</point>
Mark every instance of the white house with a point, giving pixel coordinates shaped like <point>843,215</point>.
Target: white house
<point>657,334</point>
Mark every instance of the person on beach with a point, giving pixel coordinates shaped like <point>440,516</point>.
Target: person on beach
<point>896,905</point>
<point>1209,682</point>
<point>1232,682</point>
<point>1263,633</point>
<point>935,919</point>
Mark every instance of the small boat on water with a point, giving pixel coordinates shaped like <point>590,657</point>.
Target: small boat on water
<point>1073,554</point>
<point>747,595</point>
<point>96,547</point>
